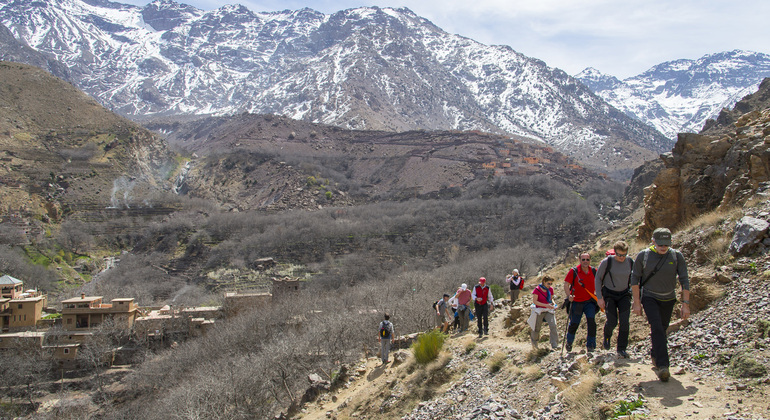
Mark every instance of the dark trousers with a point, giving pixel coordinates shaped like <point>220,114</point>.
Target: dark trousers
<point>576,312</point>
<point>617,308</point>
<point>659,316</point>
<point>482,317</point>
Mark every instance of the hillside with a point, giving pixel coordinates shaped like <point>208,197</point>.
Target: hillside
<point>275,163</point>
<point>63,152</point>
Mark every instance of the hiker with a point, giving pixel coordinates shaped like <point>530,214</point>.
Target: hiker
<point>443,315</point>
<point>482,299</point>
<point>385,337</point>
<point>455,325</point>
<point>463,297</point>
<point>613,294</point>
<point>515,283</point>
<point>655,272</point>
<point>579,286</point>
<point>544,309</point>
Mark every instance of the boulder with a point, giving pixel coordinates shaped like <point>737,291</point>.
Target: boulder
<point>749,232</point>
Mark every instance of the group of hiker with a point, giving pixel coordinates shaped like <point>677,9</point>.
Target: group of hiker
<point>620,285</point>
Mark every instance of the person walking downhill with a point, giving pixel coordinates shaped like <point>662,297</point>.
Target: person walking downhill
<point>579,285</point>
<point>515,283</point>
<point>482,299</point>
<point>385,337</point>
<point>653,284</point>
<point>613,294</point>
<point>544,310</point>
<point>463,296</point>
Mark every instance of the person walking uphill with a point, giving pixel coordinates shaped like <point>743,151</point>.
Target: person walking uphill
<point>385,337</point>
<point>482,299</point>
<point>516,283</point>
<point>463,297</point>
<point>654,279</point>
<point>579,285</point>
<point>544,310</point>
<point>443,314</point>
<point>613,294</point>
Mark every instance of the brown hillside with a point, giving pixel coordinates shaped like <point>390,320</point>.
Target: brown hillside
<point>269,162</point>
<point>63,152</point>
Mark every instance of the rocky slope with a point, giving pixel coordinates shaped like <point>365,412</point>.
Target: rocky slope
<point>62,152</point>
<point>367,68</point>
<point>721,167</point>
<point>680,96</point>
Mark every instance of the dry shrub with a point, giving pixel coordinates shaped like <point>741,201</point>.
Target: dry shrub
<point>581,397</point>
<point>496,362</point>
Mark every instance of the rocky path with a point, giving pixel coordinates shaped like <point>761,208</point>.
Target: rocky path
<point>550,388</point>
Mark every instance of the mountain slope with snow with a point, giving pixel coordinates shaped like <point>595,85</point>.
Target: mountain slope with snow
<point>366,68</point>
<point>679,96</point>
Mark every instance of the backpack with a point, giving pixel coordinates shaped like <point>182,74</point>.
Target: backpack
<point>384,331</point>
<point>609,267</point>
<point>647,252</point>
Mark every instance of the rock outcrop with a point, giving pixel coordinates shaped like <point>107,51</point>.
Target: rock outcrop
<point>722,166</point>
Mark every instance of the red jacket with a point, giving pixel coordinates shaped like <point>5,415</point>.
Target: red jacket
<point>481,292</point>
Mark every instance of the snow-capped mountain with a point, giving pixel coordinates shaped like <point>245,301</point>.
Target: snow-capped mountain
<point>360,68</point>
<point>679,96</point>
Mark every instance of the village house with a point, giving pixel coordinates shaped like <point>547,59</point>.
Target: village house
<point>88,312</point>
<point>19,310</point>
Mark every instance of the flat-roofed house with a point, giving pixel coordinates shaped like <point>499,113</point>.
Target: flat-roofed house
<point>19,310</point>
<point>88,312</point>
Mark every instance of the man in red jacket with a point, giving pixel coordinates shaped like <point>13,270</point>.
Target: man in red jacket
<point>579,285</point>
<point>482,298</point>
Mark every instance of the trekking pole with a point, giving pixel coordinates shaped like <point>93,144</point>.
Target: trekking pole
<point>566,330</point>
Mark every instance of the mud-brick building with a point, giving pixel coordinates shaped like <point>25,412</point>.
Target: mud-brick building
<point>19,310</point>
<point>10,287</point>
<point>88,312</point>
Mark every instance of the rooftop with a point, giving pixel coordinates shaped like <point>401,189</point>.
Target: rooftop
<point>6,279</point>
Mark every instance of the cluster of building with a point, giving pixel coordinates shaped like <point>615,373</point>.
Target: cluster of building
<point>26,322</point>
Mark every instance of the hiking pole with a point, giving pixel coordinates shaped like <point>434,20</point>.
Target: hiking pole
<point>566,330</point>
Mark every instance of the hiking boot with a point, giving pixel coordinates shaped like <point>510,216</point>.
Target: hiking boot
<point>569,346</point>
<point>663,373</point>
<point>590,349</point>
<point>606,343</point>
<point>623,354</point>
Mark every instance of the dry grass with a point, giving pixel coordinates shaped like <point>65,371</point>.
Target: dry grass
<point>580,397</point>
<point>712,218</point>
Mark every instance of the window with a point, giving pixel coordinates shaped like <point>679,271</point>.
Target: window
<point>20,306</point>
<point>66,351</point>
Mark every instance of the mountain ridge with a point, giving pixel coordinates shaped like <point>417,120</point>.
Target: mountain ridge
<point>681,95</point>
<point>366,68</point>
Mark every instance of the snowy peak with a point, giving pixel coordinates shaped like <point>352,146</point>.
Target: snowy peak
<point>163,15</point>
<point>364,68</point>
<point>681,95</point>
<point>596,80</point>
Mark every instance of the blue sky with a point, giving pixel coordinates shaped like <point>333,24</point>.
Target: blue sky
<point>618,37</point>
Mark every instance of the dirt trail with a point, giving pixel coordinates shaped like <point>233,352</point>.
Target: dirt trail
<point>685,395</point>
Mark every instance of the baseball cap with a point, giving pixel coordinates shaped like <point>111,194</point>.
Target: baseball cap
<point>662,236</point>
<point>482,280</point>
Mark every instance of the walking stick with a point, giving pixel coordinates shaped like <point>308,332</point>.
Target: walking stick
<point>566,331</point>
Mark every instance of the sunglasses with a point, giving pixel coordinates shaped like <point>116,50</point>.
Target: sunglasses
<point>585,259</point>
<point>621,255</point>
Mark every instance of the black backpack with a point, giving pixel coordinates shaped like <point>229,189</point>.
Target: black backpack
<point>384,331</point>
